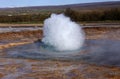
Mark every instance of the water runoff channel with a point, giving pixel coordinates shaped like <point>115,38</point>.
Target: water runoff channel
<point>18,28</point>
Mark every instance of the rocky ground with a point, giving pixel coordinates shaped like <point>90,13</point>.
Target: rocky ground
<point>17,68</point>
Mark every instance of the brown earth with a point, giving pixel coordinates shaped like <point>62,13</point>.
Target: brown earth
<point>47,69</point>
<point>17,25</point>
<point>112,33</point>
<point>12,36</point>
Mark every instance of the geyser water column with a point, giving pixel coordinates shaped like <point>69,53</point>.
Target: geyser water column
<point>62,33</point>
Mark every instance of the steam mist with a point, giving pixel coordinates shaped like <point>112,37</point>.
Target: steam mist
<point>62,34</point>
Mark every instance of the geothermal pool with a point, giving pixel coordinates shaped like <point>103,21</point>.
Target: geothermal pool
<point>100,52</point>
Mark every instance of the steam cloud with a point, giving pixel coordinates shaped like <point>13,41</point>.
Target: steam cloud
<point>62,33</point>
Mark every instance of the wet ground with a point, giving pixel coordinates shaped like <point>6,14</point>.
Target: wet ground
<point>97,59</point>
<point>18,29</point>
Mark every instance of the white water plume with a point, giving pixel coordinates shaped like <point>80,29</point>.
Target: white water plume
<point>62,33</point>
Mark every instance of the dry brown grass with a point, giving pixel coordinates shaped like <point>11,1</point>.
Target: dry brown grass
<point>17,25</point>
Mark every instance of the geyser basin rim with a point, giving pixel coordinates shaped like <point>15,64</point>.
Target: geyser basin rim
<point>62,33</point>
<point>49,50</point>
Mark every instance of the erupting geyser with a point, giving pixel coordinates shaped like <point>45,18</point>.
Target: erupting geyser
<point>62,33</point>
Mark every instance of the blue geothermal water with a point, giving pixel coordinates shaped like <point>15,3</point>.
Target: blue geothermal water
<point>101,52</point>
